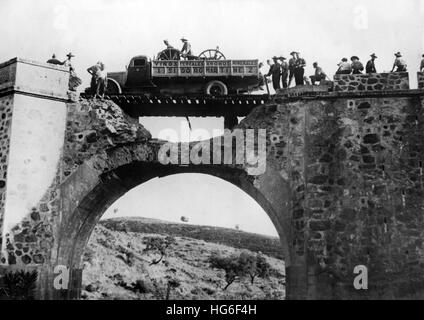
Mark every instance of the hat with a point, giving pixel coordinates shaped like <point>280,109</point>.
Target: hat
<point>274,58</point>
<point>354,57</point>
<point>70,55</point>
<point>398,54</point>
<point>183,39</point>
<point>374,56</point>
<point>344,59</point>
<point>293,52</point>
<point>282,58</point>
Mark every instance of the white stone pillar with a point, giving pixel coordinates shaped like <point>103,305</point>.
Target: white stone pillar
<point>33,112</point>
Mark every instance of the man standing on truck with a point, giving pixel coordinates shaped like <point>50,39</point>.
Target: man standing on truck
<point>186,50</point>
<point>275,72</point>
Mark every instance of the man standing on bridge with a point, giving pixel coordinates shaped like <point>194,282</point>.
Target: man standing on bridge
<point>98,79</point>
<point>299,70</point>
<point>284,72</point>
<point>292,62</point>
<point>275,72</point>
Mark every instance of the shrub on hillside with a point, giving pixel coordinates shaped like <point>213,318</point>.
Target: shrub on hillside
<point>230,265</point>
<point>255,265</point>
<point>246,264</point>
<point>158,245</point>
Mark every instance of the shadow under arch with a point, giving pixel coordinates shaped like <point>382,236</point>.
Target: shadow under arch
<point>99,193</point>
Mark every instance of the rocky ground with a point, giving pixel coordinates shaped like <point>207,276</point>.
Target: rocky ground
<point>115,266</point>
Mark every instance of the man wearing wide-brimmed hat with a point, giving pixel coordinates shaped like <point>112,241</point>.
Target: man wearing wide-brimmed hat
<point>74,80</point>
<point>67,62</point>
<point>275,72</point>
<point>284,71</point>
<point>186,50</point>
<point>292,62</point>
<point>299,70</point>
<point>399,64</point>
<point>357,66</point>
<point>370,67</point>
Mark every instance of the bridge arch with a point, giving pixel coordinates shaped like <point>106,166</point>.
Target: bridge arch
<point>95,185</point>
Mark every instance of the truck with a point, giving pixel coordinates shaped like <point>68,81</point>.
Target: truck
<point>209,73</point>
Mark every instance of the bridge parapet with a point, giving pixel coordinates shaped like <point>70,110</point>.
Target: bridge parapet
<point>371,82</point>
<point>36,78</point>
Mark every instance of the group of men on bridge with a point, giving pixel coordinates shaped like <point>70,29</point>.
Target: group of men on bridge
<point>98,75</point>
<point>356,66</point>
<point>282,73</point>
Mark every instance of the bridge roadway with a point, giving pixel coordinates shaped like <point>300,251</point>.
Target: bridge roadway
<point>228,106</point>
<point>148,105</point>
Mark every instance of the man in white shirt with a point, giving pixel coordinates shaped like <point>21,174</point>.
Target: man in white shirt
<point>399,64</point>
<point>344,67</point>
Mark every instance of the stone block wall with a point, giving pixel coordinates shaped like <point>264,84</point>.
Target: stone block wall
<point>6,105</point>
<point>362,198</point>
<point>371,82</point>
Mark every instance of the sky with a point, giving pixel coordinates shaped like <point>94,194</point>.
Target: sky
<point>113,31</point>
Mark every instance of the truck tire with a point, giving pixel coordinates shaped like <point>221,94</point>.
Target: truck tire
<point>216,88</point>
<point>113,87</point>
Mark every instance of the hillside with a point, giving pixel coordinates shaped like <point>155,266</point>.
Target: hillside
<point>115,266</point>
<point>234,238</point>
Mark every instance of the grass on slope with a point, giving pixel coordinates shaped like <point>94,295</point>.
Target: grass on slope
<point>234,238</point>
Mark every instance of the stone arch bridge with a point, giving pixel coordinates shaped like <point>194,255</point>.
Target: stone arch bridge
<point>341,180</point>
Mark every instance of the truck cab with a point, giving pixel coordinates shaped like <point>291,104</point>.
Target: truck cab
<point>138,72</point>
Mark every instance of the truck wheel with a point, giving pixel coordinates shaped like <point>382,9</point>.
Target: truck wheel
<point>113,87</point>
<point>216,88</point>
